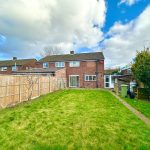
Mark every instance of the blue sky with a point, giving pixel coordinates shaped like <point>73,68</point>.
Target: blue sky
<point>118,25</point>
<point>123,12</point>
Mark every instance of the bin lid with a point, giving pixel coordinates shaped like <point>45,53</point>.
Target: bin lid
<point>124,85</point>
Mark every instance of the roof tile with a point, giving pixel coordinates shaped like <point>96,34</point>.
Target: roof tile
<point>19,62</point>
<point>74,57</point>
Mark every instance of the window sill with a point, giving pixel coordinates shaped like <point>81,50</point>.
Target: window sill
<point>74,67</point>
<point>91,81</point>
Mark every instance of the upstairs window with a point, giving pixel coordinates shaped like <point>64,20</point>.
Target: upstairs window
<point>59,64</point>
<point>90,78</point>
<point>14,68</point>
<point>3,69</point>
<point>45,65</point>
<point>74,63</point>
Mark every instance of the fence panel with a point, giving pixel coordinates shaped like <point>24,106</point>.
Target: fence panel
<point>16,89</point>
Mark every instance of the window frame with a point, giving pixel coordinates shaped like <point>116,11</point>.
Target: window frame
<point>44,66</point>
<point>2,68</point>
<point>107,82</point>
<point>16,68</point>
<point>73,65</point>
<point>87,78</point>
<point>57,64</point>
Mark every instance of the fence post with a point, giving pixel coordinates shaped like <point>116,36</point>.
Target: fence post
<point>39,85</point>
<point>49,84</point>
<point>19,88</point>
<point>6,90</point>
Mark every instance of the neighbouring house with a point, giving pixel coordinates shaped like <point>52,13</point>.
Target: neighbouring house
<point>109,77</point>
<point>10,66</point>
<point>126,70</point>
<point>58,72</point>
<point>84,70</point>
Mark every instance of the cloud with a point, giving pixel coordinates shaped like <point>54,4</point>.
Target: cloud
<point>128,2</point>
<point>125,39</point>
<point>31,25</point>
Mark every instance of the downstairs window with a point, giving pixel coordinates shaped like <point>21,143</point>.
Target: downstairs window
<point>90,78</point>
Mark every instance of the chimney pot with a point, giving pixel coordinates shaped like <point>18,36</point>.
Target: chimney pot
<point>71,52</point>
<point>14,58</point>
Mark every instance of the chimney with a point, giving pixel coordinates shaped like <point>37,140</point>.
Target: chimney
<point>72,52</point>
<point>14,58</point>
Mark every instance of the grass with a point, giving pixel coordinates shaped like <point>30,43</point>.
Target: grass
<point>141,105</point>
<point>72,119</point>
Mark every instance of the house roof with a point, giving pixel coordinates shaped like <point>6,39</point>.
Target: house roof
<point>18,62</point>
<point>110,71</point>
<point>38,70</point>
<point>74,57</point>
<point>126,78</point>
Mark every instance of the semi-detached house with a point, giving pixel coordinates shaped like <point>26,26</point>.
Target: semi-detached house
<point>84,70</point>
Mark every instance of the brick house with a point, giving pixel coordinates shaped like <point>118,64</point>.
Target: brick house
<point>10,66</point>
<point>84,70</point>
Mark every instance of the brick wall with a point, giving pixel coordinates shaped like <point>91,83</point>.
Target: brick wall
<point>88,68</point>
<point>61,73</point>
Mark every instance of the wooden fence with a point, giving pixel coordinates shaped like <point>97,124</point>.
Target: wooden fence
<point>16,89</point>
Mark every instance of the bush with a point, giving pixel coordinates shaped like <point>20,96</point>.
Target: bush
<point>143,93</point>
<point>141,68</point>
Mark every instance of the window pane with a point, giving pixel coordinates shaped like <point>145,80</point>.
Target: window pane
<point>107,78</point>
<point>90,78</point>
<point>62,64</point>
<point>87,78</point>
<point>59,64</point>
<point>3,69</point>
<point>14,68</point>
<point>94,78</point>
<point>107,84</point>
<point>45,65</point>
<point>74,64</point>
<point>74,81</point>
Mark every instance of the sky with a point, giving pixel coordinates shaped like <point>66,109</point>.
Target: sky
<point>118,28</point>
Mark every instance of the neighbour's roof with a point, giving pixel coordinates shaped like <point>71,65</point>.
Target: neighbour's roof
<point>38,70</point>
<point>110,71</point>
<point>74,57</point>
<point>18,62</point>
<point>126,78</point>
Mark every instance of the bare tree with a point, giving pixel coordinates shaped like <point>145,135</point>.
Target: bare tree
<point>30,82</point>
<point>52,50</point>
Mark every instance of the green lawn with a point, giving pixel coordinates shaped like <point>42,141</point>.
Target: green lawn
<point>140,105</point>
<point>72,119</point>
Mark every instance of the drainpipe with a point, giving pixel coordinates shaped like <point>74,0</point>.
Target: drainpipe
<point>97,73</point>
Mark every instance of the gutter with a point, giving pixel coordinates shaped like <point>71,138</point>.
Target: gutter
<point>97,73</point>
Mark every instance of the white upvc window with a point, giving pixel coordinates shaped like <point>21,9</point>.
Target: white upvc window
<point>90,77</point>
<point>14,68</point>
<point>59,64</point>
<point>107,81</point>
<point>45,65</point>
<point>74,63</point>
<point>3,69</point>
